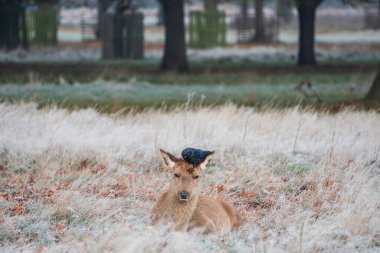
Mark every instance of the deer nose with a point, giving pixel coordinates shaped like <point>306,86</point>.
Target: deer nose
<point>184,195</point>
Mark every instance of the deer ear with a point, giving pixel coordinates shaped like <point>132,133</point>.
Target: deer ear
<point>168,159</point>
<point>204,164</point>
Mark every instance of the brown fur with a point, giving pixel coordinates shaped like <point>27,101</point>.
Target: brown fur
<point>199,212</point>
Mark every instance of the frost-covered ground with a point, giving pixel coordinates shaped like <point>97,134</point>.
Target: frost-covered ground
<point>84,182</point>
<point>288,36</point>
<point>50,55</point>
<point>111,95</point>
<point>280,54</point>
<point>269,54</point>
<point>361,37</point>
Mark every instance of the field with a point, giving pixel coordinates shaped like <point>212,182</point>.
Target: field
<point>297,148</point>
<point>79,181</point>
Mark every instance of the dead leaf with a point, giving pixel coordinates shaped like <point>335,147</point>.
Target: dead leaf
<point>17,209</point>
<point>268,202</point>
<point>99,168</point>
<point>59,228</point>
<point>247,195</point>
<point>4,196</point>
<point>83,163</point>
<point>328,182</point>
<point>63,186</point>
<point>40,248</point>
<point>221,187</point>
<point>284,179</point>
<point>19,198</point>
<point>31,179</point>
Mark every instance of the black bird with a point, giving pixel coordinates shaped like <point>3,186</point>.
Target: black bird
<point>195,156</point>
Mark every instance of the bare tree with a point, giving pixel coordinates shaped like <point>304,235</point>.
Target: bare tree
<point>259,21</point>
<point>175,44</point>
<point>244,9</point>
<point>211,5</point>
<point>10,23</point>
<point>306,20</point>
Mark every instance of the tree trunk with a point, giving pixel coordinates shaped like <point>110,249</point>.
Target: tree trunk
<point>210,5</point>
<point>10,17</point>
<point>244,9</point>
<point>374,91</point>
<point>175,43</point>
<point>259,21</point>
<point>25,42</point>
<point>3,25</point>
<point>306,16</point>
<point>102,8</point>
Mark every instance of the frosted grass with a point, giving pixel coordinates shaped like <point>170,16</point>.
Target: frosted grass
<point>319,172</point>
<point>144,94</point>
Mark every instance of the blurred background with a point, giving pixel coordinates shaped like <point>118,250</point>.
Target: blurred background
<point>248,52</point>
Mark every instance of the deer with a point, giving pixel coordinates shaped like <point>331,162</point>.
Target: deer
<point>183,206</point>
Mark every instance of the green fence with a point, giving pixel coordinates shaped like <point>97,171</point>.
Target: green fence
<point>207,29</point>
<point>42,26</point>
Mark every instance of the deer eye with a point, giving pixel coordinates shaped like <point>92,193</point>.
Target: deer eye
<point>195,177</point>
<point>176,175</point>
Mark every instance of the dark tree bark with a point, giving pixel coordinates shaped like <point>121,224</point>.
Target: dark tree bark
<point>374,91</point>
<point>10,24</point>
<point>102,8</point>
<point>161,16</point>
<point>259,21</point>
<point>25,42</point>
<point>244,9</point>
<point>175,44</point>
<point>211,5</point>
<point>306,16</point>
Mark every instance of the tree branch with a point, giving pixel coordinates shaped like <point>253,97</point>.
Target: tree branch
<point>318,2</point>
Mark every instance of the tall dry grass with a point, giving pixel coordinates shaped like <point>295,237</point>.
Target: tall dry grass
<point>81,181</point>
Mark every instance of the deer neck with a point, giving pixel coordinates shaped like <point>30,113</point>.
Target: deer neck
<point>182,211</point>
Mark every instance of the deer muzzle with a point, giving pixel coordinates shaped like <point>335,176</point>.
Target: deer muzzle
<point>184,196</point>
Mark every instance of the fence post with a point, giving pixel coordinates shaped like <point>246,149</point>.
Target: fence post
<point>122,35</point>
<point>107,35</point>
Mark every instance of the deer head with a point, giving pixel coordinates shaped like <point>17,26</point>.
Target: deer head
<point>183,175</point>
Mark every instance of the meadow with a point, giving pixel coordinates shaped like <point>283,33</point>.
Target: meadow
<point>297,148</point>
<point>304,180</point>
<point>111,87</point>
